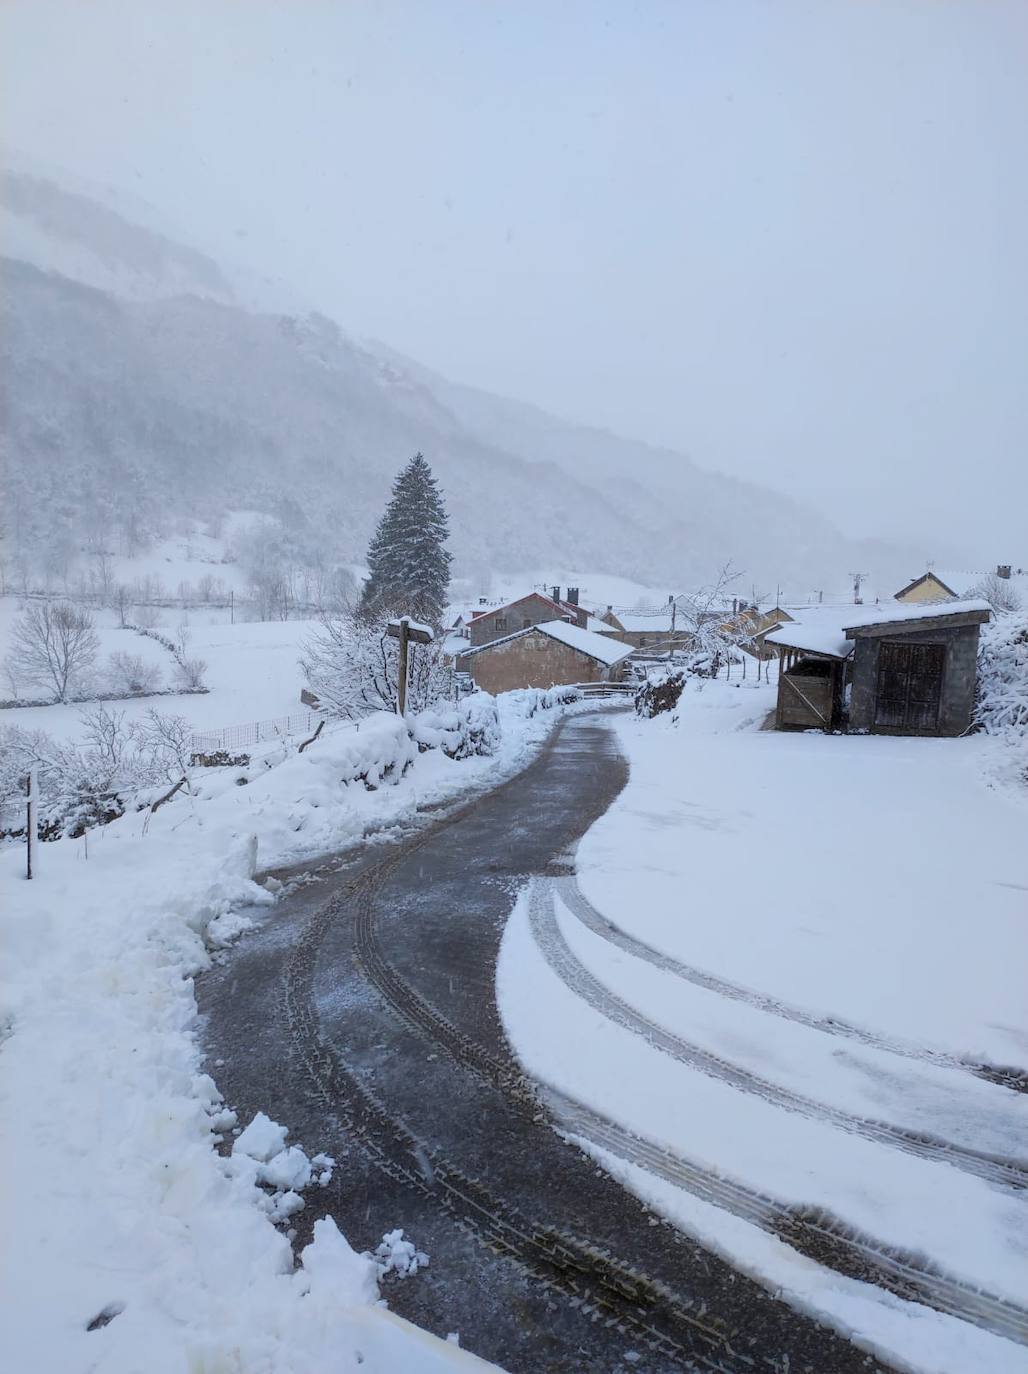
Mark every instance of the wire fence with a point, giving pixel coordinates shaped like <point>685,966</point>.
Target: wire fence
<point>255,732</point>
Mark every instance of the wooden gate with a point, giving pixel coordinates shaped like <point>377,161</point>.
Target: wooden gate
<point>909,687</point>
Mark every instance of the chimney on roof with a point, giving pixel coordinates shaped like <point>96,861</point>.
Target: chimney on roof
<point>481,600</point>
<point>1003,570</point>
<point>556,593</point>
<point>573,596</point>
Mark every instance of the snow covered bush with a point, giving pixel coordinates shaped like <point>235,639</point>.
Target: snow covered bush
<point>1001,707</point>
<point>189,674</point>
<point>526,701</point>
<point>660,692</point>
<point>97,781</point>
<point>461,730</point>
<point>131,674</point>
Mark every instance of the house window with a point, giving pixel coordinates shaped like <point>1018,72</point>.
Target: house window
<point>526,622</point>
<point>642,641</point>
<point>500,623</point>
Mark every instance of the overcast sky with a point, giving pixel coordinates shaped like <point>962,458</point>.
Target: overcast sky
<point>788,238</point>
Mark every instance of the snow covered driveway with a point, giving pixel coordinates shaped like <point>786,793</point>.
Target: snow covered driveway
<point>783,998</point>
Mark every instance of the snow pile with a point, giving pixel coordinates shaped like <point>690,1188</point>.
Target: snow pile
<point>397,1255</point>
<point>260,1156</point>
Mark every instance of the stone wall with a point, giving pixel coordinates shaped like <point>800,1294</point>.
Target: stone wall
<point>532,660</point>
<point>959,676</point>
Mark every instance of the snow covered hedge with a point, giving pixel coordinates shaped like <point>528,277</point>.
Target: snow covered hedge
<point>1002,705</point>
<point>122,768</point>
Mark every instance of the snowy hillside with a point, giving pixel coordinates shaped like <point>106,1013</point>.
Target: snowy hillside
<point>129,359</point>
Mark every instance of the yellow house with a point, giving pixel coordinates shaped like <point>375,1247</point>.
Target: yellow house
<point>952,586</point>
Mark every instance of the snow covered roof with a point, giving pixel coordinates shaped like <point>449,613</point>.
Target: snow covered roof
<point>899,612</point>
<point>821,634</point>
<point>601,647</point>
<point>646,622</point>
<point>829,630</point>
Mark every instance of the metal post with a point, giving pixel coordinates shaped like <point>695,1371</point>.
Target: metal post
<point>401,684</point>
<point>671,645</point>
<point>32,801</point>
<point>231,607</point>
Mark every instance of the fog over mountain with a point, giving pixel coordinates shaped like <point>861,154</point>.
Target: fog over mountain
<point>142,384</point>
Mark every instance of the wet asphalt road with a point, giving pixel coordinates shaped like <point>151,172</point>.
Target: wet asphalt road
<point>362,1014</point>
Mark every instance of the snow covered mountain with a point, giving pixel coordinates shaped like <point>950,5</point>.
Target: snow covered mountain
<point>141,385</point>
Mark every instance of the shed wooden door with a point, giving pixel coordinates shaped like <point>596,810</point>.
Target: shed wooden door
<point>909,686</point>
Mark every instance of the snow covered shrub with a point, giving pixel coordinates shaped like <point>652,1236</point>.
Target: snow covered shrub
<point>351,664</point>
<point>165,743</point>
<point>130,673</point>
<point>97,781</point>
<point>1002,704</point>
<point>526,701</point>
<point>660,692</point>
<point>461,731</point>
<point>189,674</point>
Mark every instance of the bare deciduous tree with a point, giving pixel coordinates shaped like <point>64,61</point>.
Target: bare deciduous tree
<point>166,741</point>
<point>351,665</point>
<point>998,592</point>
<point>55,645</point>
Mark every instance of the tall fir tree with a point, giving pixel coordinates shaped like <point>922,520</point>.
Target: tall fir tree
<point>409,569</point>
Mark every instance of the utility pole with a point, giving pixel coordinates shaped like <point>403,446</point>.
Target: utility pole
<point>858,577</point>
<point>31,804</point>
<point>232,607</point>
<point>671,642</point>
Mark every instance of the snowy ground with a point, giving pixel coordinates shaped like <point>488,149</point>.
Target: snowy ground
<point>252,672</point>
<point>118,1212</point>
<point>776,953</point>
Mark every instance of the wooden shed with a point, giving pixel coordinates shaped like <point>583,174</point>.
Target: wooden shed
<point>895,669</point>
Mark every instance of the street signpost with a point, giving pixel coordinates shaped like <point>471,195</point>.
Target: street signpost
<point>407,631</point>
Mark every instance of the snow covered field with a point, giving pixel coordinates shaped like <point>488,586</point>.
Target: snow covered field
<point>119,1215</point>
<point>776,962</point>
<point>252,672</point>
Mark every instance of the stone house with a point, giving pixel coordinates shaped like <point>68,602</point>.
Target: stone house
<point>552,654</point>
<point>895,670</point>
<point>497,622</point>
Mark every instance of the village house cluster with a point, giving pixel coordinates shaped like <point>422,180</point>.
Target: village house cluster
<point>906,665</point>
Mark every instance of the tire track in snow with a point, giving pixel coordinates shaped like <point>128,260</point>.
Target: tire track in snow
<point>569,968</point>
<point>580,906</point>
<point>815,1233</point>
<point>596,1283</point>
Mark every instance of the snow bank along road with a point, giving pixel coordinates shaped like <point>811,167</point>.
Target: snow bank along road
<point>364,1015</point>
<point>776,991</point>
